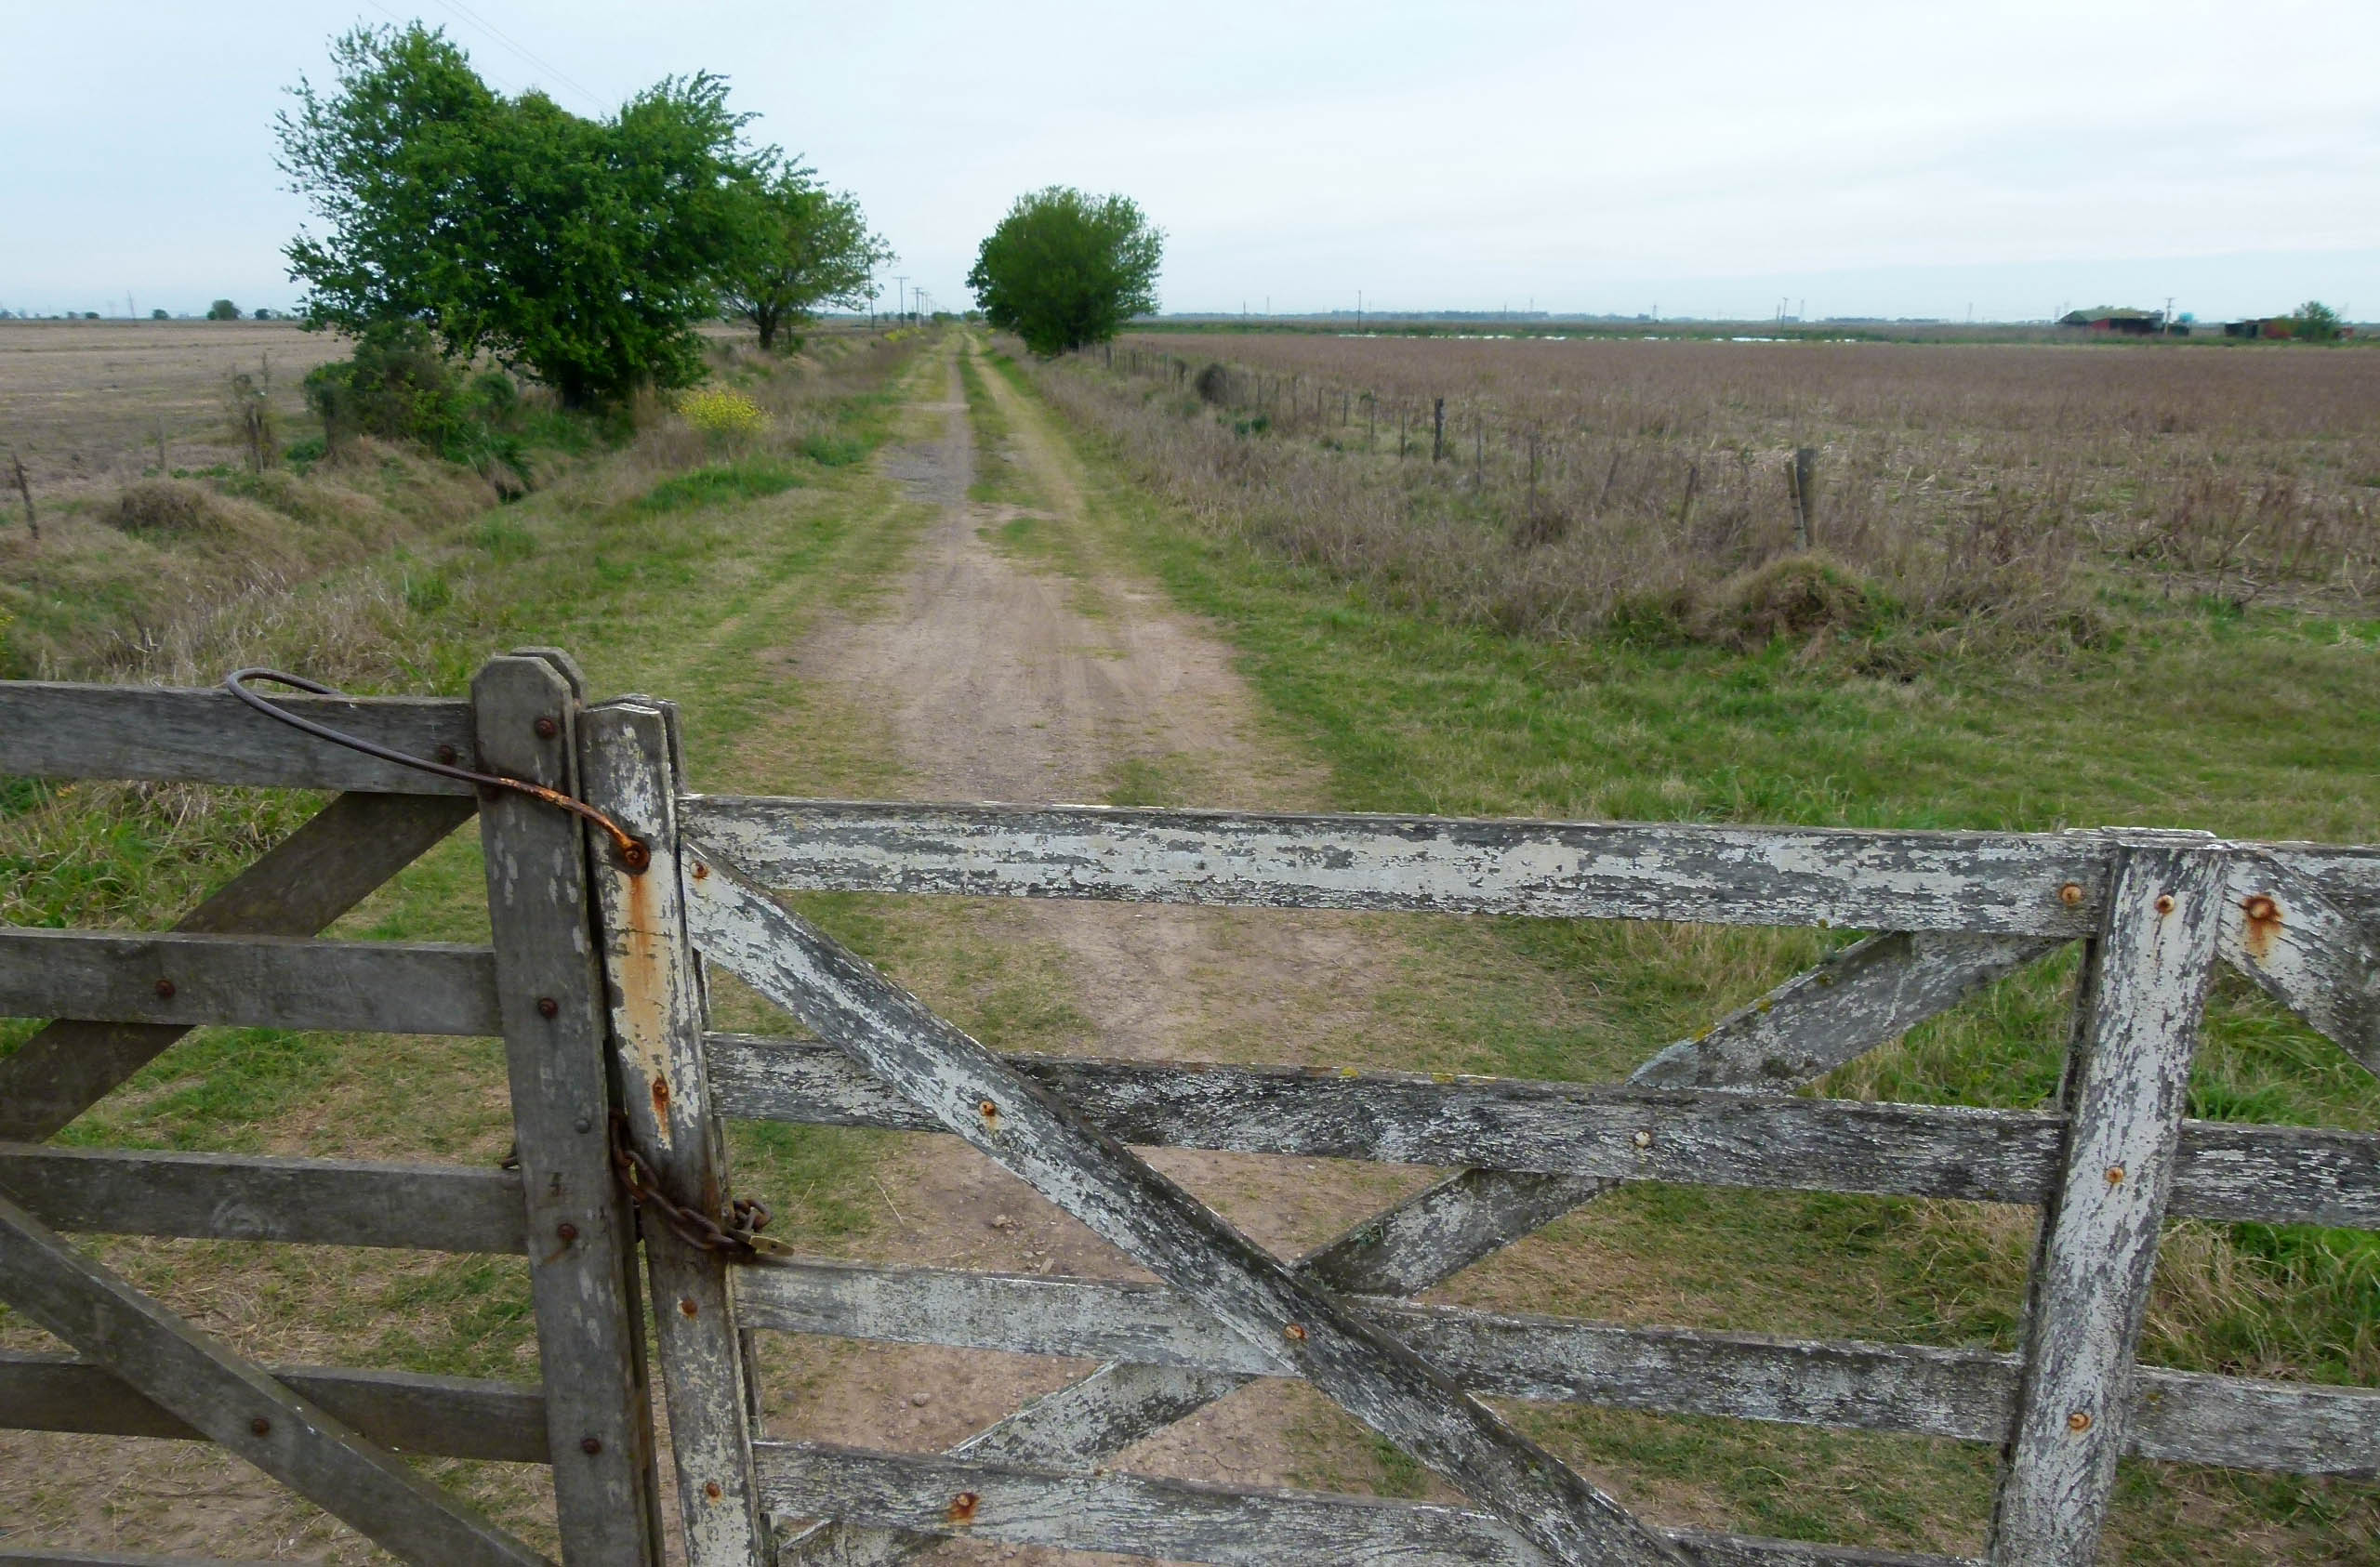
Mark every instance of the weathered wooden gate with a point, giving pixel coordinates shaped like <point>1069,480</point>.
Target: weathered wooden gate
<point>597,944</point>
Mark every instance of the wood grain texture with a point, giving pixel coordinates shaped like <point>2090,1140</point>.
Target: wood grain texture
<point>161,734</point>
<point>296,888</point>
<point>259,1197</point>
<point>2007,883</point>
<point>1913,1390</point>
<point>1184,1521</point>
<point>236,1404</point>
<point>2307,950</point>
<point>2144,997</point>
<point>1163,1228</point>
<point>590,1338</point>
<point>440,1416</point>
<point>627,757</point>
<point>1584,1134</point>
<point>257,981</point>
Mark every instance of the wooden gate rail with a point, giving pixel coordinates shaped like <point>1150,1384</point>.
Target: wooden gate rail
<point>595,981</point>
<point>1964,909</point>
<point>249,956</point>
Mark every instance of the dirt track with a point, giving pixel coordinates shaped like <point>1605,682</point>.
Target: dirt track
<point>1001,680</point>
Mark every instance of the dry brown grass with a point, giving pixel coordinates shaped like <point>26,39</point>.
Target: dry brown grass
<point>1969,489</point>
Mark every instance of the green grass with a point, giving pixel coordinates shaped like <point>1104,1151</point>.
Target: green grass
<point>724,484</point>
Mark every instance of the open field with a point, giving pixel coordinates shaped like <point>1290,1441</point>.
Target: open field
<point>1973,490</point>
<point>955,575</point>
<point>84,402</point>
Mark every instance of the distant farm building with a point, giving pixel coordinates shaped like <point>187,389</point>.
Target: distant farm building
<point>2263,326</point>
<point>2107,318</point>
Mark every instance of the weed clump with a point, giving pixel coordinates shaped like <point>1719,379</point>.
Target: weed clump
<point>166,507</point>
<point>1214,386</point>
<point>1795,598</point>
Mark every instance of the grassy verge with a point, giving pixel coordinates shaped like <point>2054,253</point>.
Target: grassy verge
<point>2255,724</point>
<point>667,565</point>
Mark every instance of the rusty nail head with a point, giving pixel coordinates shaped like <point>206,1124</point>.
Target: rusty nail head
<point>2165,902</point>
<point>1296,1332</point>
<point>590,1446</point>
<point>2115,1174</point>
<point>261,1426</point>
<point>962,1507</point>
<point>688,1305</point>
<point>2261,908</point>
<point>548,729</point>
<point>988,1111</point>
<point>448,754</point>
<point>2071,894</point>
<point>2078,1422</point>
<point>636,856</point>
<point>548,1006</point>
<point>701,869</point>
<point>711,1491</point>
<point>165,989</point>
<point>567,1230</point>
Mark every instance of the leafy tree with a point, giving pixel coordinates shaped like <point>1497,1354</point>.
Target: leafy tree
<point>584,252</point>
<point>159,315</point>
<point>222,309</point>
<point>2316,322</point>
<point>1065,269</point>
<point>811,247</point>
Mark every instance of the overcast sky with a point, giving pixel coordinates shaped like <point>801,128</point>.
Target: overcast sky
<point>1700,156</point>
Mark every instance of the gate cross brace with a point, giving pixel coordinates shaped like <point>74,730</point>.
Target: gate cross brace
<point>1860,998</point>
<point>239,1404</point>
<point>1090,1176</point>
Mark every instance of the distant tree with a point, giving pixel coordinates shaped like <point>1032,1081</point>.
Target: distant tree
<point>158,315</point>
<point>263,313</point>
<point>586,251</point>
<point>2316,322</point>
<point>90,315</point>
<point>811,247</point>
<point>222,309</point>
<point>1065,269</point>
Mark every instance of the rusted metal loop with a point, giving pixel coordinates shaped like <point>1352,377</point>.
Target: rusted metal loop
<point>635,854</point>
<point>739,1238</point>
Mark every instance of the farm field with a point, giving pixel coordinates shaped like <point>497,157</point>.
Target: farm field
<point>945,573</point>
<point>84,402</point>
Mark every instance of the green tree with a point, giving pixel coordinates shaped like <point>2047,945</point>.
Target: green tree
<point>811,247</point>
<point>222,309</point>
<point>1065,269</point>
<point>2316,322</point>
<point>583,252</point>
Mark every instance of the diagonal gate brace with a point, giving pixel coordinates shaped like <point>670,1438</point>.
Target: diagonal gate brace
<point>239,1404</point>
<point>1089,1175</point>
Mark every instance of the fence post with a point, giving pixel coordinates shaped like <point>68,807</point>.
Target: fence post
<point>1802,479</point>
<point>2140,1006</point>
<point>1437,429</point>
<point>629,757</point>
<point>590,1338</point>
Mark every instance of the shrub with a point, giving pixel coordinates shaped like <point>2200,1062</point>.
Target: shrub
<point>719,485</point>
<point>222,309</point>
<point>833,450</point>
<point>720,414</point>
<point>398,386</point>
<point>1214,384</point>
<point>158,315</point>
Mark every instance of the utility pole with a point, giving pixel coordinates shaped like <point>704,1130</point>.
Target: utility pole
<point>899,297</point>
<point>2166,326</point>
<point>1359,310</point>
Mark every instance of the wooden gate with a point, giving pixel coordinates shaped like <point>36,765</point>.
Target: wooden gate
<point>1952,912</point>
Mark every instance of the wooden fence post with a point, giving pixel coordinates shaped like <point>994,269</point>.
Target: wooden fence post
<point>1802,479</point>
<point>1437,429</point>
<point>2140,1006</point>
<point>590,1338</point>
<point>629,757</point>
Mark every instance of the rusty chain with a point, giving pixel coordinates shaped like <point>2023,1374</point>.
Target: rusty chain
<point>739,1239</point>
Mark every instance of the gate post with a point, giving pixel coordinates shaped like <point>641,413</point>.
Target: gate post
<point>630,760</point>
<point>590,1338</point>
<point>2140,1005</point>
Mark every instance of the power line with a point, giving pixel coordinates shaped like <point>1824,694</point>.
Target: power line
<point>591,100</point>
